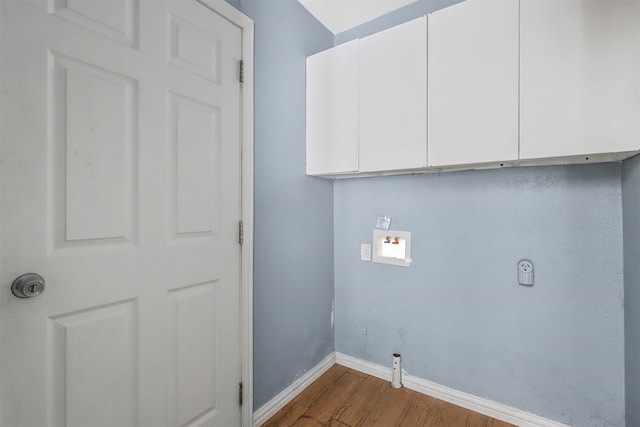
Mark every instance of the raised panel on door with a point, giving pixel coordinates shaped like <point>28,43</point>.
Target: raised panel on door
<point>332,110</point>
<point>196,365</point>
<point>93,163</point>
<point>117,20</point>
<point>393,98</point>
<point>194,129</point>
<point>579,77</point>
<point>194,48</point>
<point>473,83</point>
<point>93,371</point>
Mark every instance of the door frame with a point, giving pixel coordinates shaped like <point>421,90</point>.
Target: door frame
<point>246,135</point>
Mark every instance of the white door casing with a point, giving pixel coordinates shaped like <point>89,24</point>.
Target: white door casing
<point>124,128</point>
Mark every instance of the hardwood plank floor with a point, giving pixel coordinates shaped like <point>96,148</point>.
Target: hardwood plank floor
<point>343,397</point>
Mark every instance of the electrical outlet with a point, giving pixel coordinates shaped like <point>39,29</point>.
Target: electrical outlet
<point>365,251</point>
<point>525,272</point>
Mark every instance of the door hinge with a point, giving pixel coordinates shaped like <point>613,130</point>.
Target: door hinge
<point>241,72</point>
<point>240,397</point>
<point>241,232</point>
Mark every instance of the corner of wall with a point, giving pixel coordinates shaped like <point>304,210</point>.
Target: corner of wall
<point>293,214</point>
<point>631,243</point>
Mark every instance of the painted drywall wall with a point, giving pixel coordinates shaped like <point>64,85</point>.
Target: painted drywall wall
<point>459,317</point>
<point>631,224</point>
<point>293,246</point>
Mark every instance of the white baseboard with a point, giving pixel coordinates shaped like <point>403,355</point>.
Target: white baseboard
<point>270,408</point>
<point>474,403</point>
<point>466,400</point>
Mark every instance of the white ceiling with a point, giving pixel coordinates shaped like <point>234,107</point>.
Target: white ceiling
<point>341,15</point>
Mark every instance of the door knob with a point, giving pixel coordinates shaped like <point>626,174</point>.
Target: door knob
<point>28,285</point>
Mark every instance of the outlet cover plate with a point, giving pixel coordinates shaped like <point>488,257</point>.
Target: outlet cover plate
<point>525,272</point>
<point>365,251</point>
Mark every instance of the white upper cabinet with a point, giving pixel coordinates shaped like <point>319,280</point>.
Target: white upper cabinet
<point>473,83</point>
<point>393,98</point>
<point>480,84</point>
<point>332,111</point>
<point>580,74</point>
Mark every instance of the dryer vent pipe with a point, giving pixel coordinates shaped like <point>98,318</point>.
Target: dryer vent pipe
<point>396,374</point>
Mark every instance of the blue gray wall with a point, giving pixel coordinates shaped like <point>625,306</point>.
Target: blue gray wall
<point>631,220</point>
<point>458,316</point>
<point>293,253</point>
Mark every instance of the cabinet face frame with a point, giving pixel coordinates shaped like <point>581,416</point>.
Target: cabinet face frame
<point>332,111</point>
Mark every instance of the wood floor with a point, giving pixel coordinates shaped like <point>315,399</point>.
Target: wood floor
<point>343,397</point>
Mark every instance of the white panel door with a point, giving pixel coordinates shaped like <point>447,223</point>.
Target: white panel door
<point>473,83</point>
<point>120,184</point>
<point>393,98</point>
<point>579,77</point>
<point>332,110</point>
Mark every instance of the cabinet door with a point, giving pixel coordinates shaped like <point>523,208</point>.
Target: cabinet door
<point>579,77</point>
<point>473,83</point>
<point>393,103</point>
<point>332,110</point>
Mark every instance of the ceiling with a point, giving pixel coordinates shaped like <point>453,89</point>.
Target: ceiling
<point>342,15</point>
